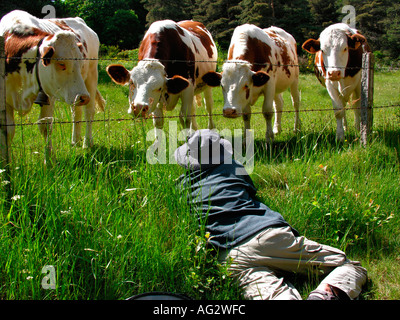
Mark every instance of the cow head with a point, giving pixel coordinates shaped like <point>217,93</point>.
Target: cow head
<point>238,83</point>
<point>334,44</point>
<point>148,84</point>
<point>62,67</point>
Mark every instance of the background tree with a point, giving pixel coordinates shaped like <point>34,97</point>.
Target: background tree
<point>116,22</point>
<point>259,13</point>
<point>176,10</point>
<point>219,16</point>
<point>122,23</point>
<point>392,36</point>
<point>125,21</point>
<point>33,7</point>
<point>324,13</point>
<point>294,17</point>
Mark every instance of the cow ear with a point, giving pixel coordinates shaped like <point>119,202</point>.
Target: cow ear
<point>48,52</point>
<point>260,78</point>
<point>312,46</point>
<point>176,84</point>
<point>212,79</point>
<point>118,74</point>
<point>356,40</point>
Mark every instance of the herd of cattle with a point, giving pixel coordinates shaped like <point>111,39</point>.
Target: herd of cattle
<point>176,61</point>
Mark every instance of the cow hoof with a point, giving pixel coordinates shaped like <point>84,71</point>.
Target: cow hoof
<point>277,130</point>
<point>269,136</point>
<point>340,138</point>
<point>75,143</point>
<point>211,125</point>
<point>87,144</point>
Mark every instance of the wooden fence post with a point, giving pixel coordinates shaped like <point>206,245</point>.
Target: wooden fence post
<point>367,97</point>
<point>4,154</point>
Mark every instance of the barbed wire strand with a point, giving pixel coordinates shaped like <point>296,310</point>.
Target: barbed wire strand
<point>305,65</point>
<point>196,115</point>
<point>52,122</point>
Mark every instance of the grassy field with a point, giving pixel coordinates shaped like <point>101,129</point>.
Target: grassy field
<point>113,225</point>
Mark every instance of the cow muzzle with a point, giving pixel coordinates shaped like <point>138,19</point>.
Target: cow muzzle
<point>335,75</point>
<point>139,110</point>
<point>230,113</point>
<point>81,100</point>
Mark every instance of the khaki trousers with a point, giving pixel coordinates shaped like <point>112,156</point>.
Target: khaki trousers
<point>260,262</point>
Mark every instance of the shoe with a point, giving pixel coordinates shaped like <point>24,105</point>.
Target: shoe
<point>335,294</point>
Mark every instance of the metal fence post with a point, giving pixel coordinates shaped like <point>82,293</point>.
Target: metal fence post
<point>367,97</point>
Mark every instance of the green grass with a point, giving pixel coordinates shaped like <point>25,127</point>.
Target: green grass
<point>114,226</point>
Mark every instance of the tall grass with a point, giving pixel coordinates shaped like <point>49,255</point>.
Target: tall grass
<point>114,226</point>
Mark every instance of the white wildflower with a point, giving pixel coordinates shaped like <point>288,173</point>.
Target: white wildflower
<point>16,197</point>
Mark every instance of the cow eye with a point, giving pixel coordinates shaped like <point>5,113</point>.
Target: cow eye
<point>345,49</point>
<point>61,66</point>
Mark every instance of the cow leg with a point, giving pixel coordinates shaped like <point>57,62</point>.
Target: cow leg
<point>76,125</point>
<point>45,123</point>
<point>185,115</point>
<point>158,122</point>
<point>294,92</point>
<point>246,119</point>
<point>338,108</point>
<point>158,119</point>
<point>340,119</point>
<point>278,104</point>
<point>267,110</point>
<point>89,110</point>
<point>193,123</point>
<point>209,102</point>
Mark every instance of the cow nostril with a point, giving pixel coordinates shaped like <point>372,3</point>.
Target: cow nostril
<point>231,113</point>
<point>140,109</point>
<point>84,100</point>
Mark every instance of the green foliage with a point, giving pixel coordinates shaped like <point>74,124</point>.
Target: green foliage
<point>259,13</point>
<point>219,17</point>
<point>114,226</point>
<point>128,21</point>
<point>208,277</point>
<point>33,7</point>
<point>122,23</point>
<point>117,22</point>
<point>176,10</point>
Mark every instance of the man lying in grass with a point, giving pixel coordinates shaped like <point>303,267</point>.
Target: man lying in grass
<point>259,245</point>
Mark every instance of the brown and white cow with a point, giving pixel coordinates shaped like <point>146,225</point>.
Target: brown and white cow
<point>260,62</point>
<point>338,60</point>
<point>174,63</point>
<point>49,54</point>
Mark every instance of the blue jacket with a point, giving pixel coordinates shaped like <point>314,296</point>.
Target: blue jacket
<point>225,202</point>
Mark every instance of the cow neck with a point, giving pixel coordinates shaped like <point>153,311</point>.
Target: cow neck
<point>41,98</point>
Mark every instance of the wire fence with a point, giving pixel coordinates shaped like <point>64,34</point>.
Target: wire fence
<point>147,117</point>
<point>218,62</point>
<point>51,121</point>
